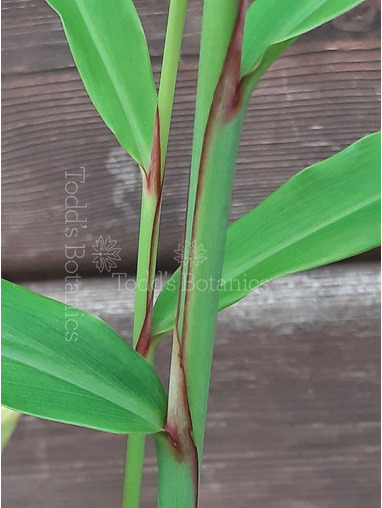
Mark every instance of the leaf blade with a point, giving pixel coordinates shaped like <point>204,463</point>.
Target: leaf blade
<point>356,229</point>
<point>110,51</point>
<point>270,22</point>
<point>96,381</point>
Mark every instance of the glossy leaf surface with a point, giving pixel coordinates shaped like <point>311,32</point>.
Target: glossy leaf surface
<point>111,54</point>
<point>63,364</point>
<point>327,212</point>
<point>270,22</point>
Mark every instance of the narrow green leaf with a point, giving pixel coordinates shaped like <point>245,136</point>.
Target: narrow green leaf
<point>270,22</point>
<point>63,364</point>
<point>327,212</point>
<point>111,54</point>
<point>9,421</point>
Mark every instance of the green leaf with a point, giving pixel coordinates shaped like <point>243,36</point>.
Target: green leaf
<point>211,182</point>
<point>327,212</point>
<point>66,365</point>
<point>9,421</point>
<point>111,54</point>
<point>176,482</point>
<point>215,39</point>
<point>219,18</point>
<point>270,22</point>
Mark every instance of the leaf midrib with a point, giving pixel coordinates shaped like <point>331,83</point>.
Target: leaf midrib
<point>139,141</point>
<point>84,386</point>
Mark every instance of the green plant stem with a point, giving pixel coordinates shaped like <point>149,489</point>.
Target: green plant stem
<point>148,241</point>
<point>207,219</point>
<point>217,24</point>
<point>207,222</point>
<point>134,462</point>
<point>175,478</point>
<point>176,451</point>
<point>136,442</point>
<point>133,471</point>
<point>146,262</point>
<point>171,52</point>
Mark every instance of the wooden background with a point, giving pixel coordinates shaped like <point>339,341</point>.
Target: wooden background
<point>320,97</point>
<point>294,408</point>
<point>293,418</point>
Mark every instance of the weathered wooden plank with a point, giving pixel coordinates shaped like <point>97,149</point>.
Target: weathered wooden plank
<point>321,96</point>
<point>34,41</point>
<point>293,418</point>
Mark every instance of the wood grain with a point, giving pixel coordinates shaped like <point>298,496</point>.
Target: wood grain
<point>293,418</point>
<point>320,97</point>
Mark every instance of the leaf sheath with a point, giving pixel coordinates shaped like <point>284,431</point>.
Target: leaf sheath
<point>327,212</point>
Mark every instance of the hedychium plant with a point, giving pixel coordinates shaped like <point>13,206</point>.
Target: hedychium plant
<point>325,213</point>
